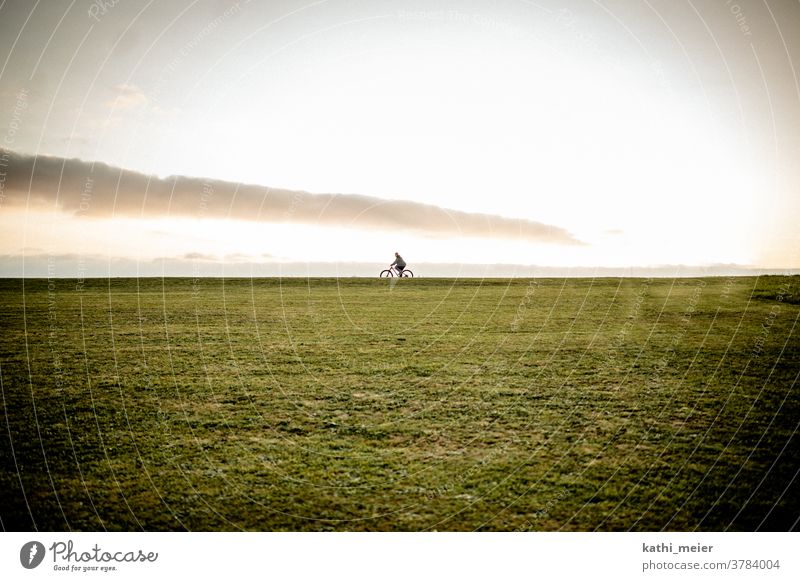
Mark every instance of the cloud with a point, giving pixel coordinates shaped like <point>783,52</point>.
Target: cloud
<point>100,190</point>
<point>128,97</point>
<point>81,266</point>
<point>198,256</point>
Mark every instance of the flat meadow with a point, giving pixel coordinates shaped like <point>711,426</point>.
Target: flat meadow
<point>355,404</point>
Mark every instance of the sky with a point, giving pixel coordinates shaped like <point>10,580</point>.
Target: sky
<point>559,134</point>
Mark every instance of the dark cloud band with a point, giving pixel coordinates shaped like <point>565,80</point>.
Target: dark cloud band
<point>97,189</point>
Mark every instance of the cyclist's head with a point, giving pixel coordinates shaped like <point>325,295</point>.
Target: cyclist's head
<point>397,254</point>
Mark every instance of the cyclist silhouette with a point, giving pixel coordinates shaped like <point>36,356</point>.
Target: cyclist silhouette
<point>399,263</point>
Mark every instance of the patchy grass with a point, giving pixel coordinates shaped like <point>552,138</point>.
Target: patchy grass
<point>352,404</point>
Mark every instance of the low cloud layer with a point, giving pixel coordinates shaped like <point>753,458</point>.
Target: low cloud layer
<point>100,190</point>
<point>80,266</point>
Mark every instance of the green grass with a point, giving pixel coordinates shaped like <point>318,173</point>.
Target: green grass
<point>438,404</point>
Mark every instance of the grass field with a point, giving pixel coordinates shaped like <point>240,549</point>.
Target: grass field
<point>425,404</point>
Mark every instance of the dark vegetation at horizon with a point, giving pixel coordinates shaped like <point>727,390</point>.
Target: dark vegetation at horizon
<point>358,404</point>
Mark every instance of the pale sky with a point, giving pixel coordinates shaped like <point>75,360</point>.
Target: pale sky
<point>647,133</point>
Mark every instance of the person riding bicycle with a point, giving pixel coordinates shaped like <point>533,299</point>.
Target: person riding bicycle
<point>399,263</point>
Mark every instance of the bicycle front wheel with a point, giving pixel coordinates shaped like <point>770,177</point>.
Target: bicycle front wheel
<point>386,274</point>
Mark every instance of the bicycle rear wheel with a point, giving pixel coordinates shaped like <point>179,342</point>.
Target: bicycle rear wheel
<point>408,274</point>
<point>386,274</point>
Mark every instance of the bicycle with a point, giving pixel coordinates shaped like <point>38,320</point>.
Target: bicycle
<point>392,271</point>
